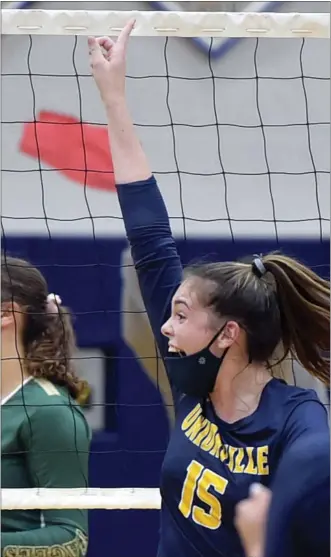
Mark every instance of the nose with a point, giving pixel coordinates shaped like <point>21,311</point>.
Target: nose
<point>166,329</point>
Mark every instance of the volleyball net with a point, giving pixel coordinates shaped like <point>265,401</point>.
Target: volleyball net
<point>239,144</point>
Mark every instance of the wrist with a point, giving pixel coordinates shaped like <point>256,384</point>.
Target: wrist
<point>114,103</point>
<point>255,552</point>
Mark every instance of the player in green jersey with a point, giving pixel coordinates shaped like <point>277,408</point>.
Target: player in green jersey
<point>45,438</point>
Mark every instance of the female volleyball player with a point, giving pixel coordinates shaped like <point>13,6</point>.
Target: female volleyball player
<point>217,327</point>
<point>44,435</point>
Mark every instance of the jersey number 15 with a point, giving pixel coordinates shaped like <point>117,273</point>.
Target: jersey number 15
<point>198,481</point>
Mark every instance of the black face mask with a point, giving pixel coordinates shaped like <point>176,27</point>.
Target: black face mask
<point>195,375</point>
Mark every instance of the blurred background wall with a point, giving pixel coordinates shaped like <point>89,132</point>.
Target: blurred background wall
<point>271,167</point>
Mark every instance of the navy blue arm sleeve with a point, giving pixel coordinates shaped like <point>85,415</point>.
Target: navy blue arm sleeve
<point>308,417</point>
<point>299,515</point>
<point>153,250</point>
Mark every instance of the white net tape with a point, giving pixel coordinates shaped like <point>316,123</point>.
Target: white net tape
<point>82,498</point>
<point>166,24</point>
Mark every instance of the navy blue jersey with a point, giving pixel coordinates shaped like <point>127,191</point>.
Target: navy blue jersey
<point>299,516</point>
<point>209,464</point>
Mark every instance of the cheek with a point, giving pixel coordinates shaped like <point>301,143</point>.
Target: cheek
<point>189,337</point>
<point>181,330</point>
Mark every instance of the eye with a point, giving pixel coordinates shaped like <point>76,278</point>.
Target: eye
<point>180,316</point>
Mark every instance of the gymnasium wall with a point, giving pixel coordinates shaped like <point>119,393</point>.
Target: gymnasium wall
<point>47,212</point>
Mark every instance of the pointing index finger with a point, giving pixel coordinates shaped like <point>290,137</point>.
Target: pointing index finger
<point>126,32</point>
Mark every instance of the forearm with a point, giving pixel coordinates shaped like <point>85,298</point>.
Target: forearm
<point>67,540</point>
<point>153,250</point>
<point>129,160</point>
<point>256,552</point>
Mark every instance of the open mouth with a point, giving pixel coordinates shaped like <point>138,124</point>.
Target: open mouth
<point>174,350</point>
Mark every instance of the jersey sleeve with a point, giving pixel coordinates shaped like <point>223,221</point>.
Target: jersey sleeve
<point>153,249</point>
<point>307,417</point>
<point>56,440</point>
<point>299,514</point>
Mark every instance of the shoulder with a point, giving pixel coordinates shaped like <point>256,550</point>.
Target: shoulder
<point>299,412</point>
<point>289,397</point>
<point>42,389</point>
<point>51,408</point>
<point>46,396</point>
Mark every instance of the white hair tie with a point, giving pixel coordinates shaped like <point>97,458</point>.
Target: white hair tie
<point>53,303</point>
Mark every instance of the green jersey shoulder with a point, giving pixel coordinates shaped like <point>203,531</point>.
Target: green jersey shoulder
<point>42,402</point>
<point>45,443</point>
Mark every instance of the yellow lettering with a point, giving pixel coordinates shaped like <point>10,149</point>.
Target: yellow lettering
<point>232,452</point>
<point>250,468</point>
<point>213,518</point>
<point>203,433</point>
<point>238,467</point>
<point>82,542</point>
<point>195,428</point>
<point>72,549</point>
<point>58,551</point>
<point>209,441</point>
<point>224,454</point>
<point>9,551</point>
<point>75,548</point>
<point>198,480</point>
<point>262,460</point>
<point>193,472</point>
<point>215,451</point>
<point>191,417</point>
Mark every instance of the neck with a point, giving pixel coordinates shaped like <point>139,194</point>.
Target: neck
<point>238,390</point>
<point>13,373</point>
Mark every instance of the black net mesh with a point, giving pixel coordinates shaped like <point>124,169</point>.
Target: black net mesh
<point>241,149</point>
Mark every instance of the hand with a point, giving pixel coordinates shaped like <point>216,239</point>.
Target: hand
<point>251,518</point>
<point>108,63</point>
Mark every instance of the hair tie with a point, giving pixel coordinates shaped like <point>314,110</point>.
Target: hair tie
<point>258,266</point>
<point>53,303</point>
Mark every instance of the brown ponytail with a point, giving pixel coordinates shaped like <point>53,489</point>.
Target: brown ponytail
<point>304,303</point>
<point>285,304</point>
<point>48,337</point>
<point>50,354</point>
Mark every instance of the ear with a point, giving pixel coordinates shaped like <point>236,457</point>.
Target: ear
<point>229,335</point>
<point>10,313</point>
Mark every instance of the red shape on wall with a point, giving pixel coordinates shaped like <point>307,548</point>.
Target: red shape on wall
<point>78,151</point>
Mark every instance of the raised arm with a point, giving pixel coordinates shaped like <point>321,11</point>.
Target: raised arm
<point>145,216</point>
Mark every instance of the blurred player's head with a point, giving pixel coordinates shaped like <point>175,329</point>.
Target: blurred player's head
<point>236,314</point>
<point>36,333</point>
